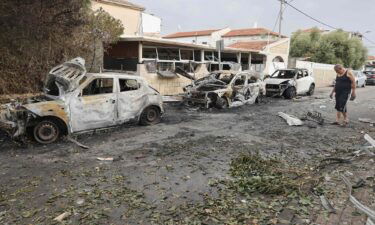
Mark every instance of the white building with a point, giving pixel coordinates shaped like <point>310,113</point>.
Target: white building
<point>270,44</point>
<point>133,17</point>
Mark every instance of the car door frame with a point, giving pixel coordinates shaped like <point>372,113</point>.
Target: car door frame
<point>137,101</point>
<point>245,87</point>
<point>303,84</point>
<point>103,112</point>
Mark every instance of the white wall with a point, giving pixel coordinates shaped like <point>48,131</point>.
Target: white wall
<point>151,24</point>
<point>216,36</point>
<point>199,39</point>
<point>323,74</point>
<point>231,40</point>
<point>130,18</point>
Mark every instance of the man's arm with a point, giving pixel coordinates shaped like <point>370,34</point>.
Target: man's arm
<point>354,84</point>
<point>333,91</point>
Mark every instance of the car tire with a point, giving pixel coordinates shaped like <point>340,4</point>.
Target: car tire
<point>364,85</point>
<point>150,116</point>
<point>290,93</point>
<point>46,131</point>
<point>222,103</point>
<point>311,90</point>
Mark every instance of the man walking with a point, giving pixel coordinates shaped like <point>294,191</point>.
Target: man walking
<point>345,85</point>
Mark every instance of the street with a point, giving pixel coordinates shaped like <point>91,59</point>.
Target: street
<point>177,172</point>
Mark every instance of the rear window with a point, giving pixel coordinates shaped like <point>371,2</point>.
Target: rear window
<point>129,85</point>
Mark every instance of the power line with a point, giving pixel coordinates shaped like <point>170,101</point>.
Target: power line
<point>307,15</point>
<point>372,42</point>
<point>319,21</point>
<point>278,17</point>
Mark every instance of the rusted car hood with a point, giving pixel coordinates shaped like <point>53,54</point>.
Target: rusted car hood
<point>66,76</point>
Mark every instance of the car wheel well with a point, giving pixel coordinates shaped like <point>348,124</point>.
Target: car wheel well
<point>155,106</point>
<point>143,117</point>
<point>59,122</point>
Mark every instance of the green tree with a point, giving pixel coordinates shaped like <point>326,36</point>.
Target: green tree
<point>38,34</point>
<point>336,47</point>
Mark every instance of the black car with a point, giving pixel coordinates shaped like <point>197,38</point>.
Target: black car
<point>370,77</point>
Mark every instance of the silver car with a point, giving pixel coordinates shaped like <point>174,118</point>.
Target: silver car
<point>75,101</point>
<point>360,78</point>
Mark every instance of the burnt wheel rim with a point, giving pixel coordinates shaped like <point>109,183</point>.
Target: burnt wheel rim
<point>47,132</point>
<point>152,115</point>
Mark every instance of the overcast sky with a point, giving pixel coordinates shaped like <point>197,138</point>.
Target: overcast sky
<point>187,15</point>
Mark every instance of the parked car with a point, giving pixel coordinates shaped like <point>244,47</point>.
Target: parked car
<point>370,77</point>
<point>223,89</point>
<point>360,79</point>
<point>289,83</point>
<point>75,101</point>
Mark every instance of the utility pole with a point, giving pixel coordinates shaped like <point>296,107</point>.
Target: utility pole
<point>281,15</point>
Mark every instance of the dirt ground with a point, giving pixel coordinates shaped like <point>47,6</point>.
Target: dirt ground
<point>181,170</point>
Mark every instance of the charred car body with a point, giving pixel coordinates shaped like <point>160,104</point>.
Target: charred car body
<point>75,101</point>
<point>289,83</point>
<point>224,89</point>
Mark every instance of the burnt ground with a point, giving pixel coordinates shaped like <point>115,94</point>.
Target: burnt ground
<point>178,172</point>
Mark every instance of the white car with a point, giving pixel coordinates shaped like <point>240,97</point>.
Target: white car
<point>360,78</point>
<point>75,101</point>
<point>289,83</point>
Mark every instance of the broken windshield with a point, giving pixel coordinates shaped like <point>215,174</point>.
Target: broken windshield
<point>284,74</point>
<point>226,77</point>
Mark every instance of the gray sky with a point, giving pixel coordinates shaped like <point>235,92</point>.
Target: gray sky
<point>353,15</point>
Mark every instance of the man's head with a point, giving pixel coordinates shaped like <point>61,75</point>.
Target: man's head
<point>339,69</point>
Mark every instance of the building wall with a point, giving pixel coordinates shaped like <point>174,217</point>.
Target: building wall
<point>323,74</point>
<point>193,40</point>
<point>232,40</point>
<point>150,24</point>
<point>277,50</point>
<point>130,18</point>
<point>282,48</point>
<point>166,86</point>
<point>216,36</point>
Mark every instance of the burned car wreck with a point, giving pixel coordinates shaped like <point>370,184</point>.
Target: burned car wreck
<point>75,101</point>
<point>223,89</point>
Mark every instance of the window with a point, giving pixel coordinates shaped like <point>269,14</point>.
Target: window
<point>197,55</point>
<point>305,73</point>
<point>240,81</point>
<point>169,54</point>
<point>252,79</point>
<point>129,85</point>
<point>208,56</point>
<point>300,75</point>
<point>99,86</point>
<point>149,53</point>
<point>187,54</point>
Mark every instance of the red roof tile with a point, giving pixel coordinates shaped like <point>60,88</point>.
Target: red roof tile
<point>371,57</point>
<point>191,34</point>
<point>250,32</point>
<point>250,45</point>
